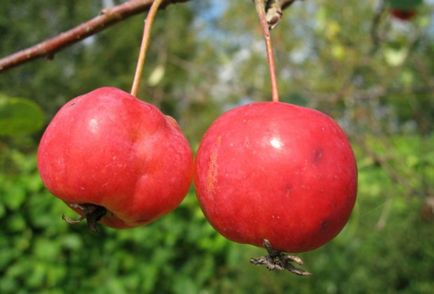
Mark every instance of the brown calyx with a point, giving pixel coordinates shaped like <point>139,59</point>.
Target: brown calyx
<point>279,260</point>
<point>91,212</point>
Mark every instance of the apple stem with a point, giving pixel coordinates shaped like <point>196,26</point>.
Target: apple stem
<point>144,46</point>
<point>260,9</point>
<point>278,260</point>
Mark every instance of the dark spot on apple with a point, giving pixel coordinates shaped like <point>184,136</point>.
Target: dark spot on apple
<point>318,155</point>
<point>325,224</point>
<point>72,104</point>
<point>288,190</point>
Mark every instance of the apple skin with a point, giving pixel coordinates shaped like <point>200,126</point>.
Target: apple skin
<point>402,14</point>
<point>110,149</point>
<point>276,171</point>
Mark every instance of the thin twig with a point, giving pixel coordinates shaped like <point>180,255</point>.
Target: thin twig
<point>396,178</point>
<point>375,27</point>
<point>108,17</point>
<point>376,40</point>
<point>286,3</point>
<point>144,46</point>
<point>260,9</point>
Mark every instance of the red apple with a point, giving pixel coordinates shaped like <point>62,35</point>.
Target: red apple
<point>402,14</point>
<point>278,172</point>
<point>111,151</point>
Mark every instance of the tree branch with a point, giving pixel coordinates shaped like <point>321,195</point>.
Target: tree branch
<point>107,18</point>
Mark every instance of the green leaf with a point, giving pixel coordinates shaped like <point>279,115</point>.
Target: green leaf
<point>15,196</point>
<point>16,223</point>
<point>71,242</point>
<point>156,76</point>
<point>19,116</point>
<point>395,57</point>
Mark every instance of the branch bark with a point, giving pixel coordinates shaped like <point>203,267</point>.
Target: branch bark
<point>107,18</point>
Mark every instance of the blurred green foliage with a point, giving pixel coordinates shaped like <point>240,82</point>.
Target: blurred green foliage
<point>207,57</point>
<point>405,4</point>
<point>181,253</point>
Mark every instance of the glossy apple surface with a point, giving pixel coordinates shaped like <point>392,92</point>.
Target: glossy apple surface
<point>279,172</point>
<point>110,149</point>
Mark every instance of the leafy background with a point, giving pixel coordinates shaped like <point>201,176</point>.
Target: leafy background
<point>207,57</point>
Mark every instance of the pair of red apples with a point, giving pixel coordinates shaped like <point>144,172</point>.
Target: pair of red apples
<point>264,171</point>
